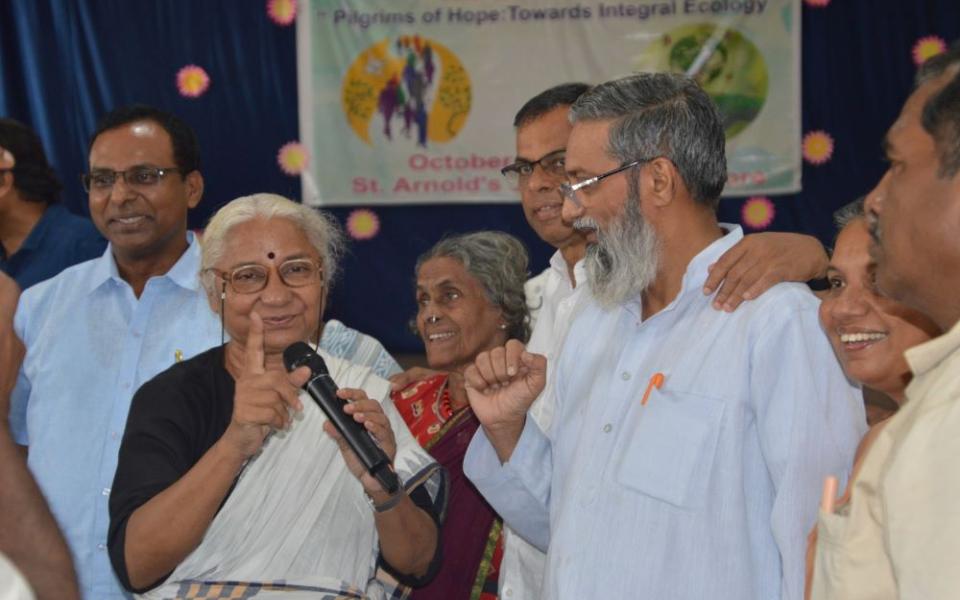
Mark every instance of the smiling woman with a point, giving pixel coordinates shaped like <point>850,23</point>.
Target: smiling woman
<point>869,332</point>
<point>470,299</point>
<point>230,478</point>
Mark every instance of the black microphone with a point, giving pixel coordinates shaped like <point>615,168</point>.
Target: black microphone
<point>323,390</point>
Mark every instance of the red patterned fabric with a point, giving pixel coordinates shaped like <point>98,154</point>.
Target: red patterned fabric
<point>471,535</point>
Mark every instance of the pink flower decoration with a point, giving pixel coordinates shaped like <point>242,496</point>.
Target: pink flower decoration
<point>816,3</point>
<point>282,12</point>
<point>927,47</point>
<point>363,224</point>
<point>817,147</point>
<point>757,212</point>
<point>293,158</point>
<point>192,81</point>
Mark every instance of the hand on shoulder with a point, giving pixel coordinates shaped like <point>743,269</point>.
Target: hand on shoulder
<point>761,260</point>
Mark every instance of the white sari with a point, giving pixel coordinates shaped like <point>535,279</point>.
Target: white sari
<point>297,524</point>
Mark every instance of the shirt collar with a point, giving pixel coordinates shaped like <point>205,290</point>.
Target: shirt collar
<point>926,356</point>
<point>184,273</point>
<point>559,264</point>
<point>696,272</point>
<point>52,213</point>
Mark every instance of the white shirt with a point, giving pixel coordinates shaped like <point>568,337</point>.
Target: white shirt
<point>533,290</point>
<point>12,584</point>
<point>709,489</point>
<point>554,296</point>
<point>557,306</point>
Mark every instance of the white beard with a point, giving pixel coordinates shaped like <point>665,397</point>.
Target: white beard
<point>624,261</point>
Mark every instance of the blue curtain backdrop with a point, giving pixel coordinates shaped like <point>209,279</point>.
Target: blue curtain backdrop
<point>65,62</point>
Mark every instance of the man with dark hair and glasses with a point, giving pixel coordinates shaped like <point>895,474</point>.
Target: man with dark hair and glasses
<point>682,436</point>
<point>39,237</point>
<point>99,329</point>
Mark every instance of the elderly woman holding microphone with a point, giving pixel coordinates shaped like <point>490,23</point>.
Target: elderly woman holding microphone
<point>231,482</point>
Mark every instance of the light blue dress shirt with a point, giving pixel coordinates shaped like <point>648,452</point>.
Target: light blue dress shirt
<point>708,490</point>
<point>90,344</point>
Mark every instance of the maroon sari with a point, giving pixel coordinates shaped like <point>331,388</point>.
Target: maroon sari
<point>471,533</point>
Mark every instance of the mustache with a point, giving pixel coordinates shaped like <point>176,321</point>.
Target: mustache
<point>585,224</point>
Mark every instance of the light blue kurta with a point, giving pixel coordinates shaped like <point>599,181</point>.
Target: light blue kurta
<point>710,489</point>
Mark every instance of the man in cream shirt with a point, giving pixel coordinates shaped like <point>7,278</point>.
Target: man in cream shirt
<point>899,536</point>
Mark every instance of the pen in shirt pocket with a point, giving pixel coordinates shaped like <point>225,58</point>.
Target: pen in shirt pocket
<point>656,381</point>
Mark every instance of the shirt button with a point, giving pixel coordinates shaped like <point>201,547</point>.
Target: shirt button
<point>625,376</point>
<point>105,491</point>
<point>508,592</point>
<point>114,435</point>
<point>101,546</point>
<point>607,428</point>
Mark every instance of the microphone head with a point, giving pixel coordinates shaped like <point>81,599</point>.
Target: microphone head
<point>300,354</point>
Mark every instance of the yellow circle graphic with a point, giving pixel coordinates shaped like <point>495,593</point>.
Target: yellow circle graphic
<point>411,87</point>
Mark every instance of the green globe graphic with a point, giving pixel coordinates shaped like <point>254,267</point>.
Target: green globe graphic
<point>734,74</point>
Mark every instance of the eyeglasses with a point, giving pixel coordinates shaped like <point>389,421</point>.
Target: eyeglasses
<point>521,170</point>
<point>141,176</point>
<point>250,279</point>
<point>569,190</point>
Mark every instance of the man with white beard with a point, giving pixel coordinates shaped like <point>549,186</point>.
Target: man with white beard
<point>688,443</point>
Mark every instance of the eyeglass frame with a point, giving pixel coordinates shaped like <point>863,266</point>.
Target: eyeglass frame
<point>228,277</point>
<point>161,173</point>
<point>515,166</point>
<point>569,190</point>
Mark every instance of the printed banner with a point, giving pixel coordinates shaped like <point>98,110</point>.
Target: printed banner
<point>412,101</point>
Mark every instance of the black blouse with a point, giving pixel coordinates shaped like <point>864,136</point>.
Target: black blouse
<point>174,419</point>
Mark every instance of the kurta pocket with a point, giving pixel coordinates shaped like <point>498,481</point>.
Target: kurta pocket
<point>666,447</point>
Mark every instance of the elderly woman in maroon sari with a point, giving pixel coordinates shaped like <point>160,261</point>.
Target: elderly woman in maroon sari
<point>470,299</point>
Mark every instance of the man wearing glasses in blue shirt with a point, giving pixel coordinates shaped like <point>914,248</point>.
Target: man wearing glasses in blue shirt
<point>101,328</point>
